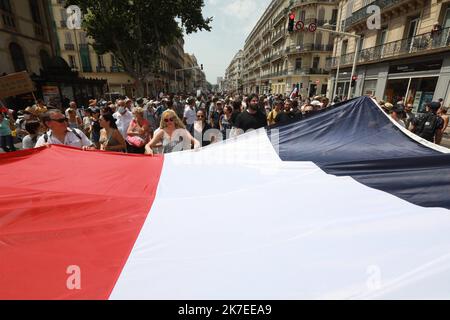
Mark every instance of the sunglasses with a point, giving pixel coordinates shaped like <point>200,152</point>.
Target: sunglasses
<point>168,120</point>
<point>62,120</point>
<point>201,117</point>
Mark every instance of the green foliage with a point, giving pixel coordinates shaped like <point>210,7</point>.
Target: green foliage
<point>135,30</point>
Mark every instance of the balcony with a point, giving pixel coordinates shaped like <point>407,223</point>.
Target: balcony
<point>280,73</point>
<point>361,15</point>
<point>283,15</point>
<point>309,47</point>
<point>307,71</point>
<point>300,3</point>
<point>276,56</point>
<point>278,36</point>
<point>421,44</point>
<point>69,46</point>
<point>266,61</point>
<point>266,32</point>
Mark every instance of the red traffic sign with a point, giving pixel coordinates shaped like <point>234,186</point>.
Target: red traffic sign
<point>312,27</point>
<point>299,25</point>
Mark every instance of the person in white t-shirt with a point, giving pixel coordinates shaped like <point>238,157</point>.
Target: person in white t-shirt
<point>123,117</point>
<point>190,115</point>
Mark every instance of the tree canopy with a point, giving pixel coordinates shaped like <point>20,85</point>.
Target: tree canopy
<point>135,30</point>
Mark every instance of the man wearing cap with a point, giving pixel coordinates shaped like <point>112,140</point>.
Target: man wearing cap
<point>397,114</point>
<point>428,124</point>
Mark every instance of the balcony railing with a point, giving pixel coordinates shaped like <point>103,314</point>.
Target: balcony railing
<point>276,56</point>
<point>306,47</point>
<point>303,2</point>
<point>278,36</point>
<point>69,46</point>
<point>417,44</point>
<point>362,14</point>
<point>279,73</point>
<point>282,15</point>
<point>307,71</point>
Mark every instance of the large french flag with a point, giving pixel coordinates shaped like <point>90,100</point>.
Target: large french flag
<point>342,205</point>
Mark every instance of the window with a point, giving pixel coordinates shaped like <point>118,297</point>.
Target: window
<point>17,57</point>
<point>6,14</point>
<point>68,36</point>
<point>298,63</point>
<point>35,11</point>
<point>83,38</point>
<point>361,43</point>
<point>316,62</point>
<point>5,5</point>
<point>344,47</point>
<point>45,58</point>
<point>72,63</point>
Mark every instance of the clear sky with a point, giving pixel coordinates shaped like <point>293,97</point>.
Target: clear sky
<point>233,21</point>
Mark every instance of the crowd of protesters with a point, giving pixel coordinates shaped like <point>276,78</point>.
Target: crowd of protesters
<point>430,125</point>
<point>179,122</point>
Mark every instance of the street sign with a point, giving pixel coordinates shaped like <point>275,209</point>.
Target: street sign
<point>15,84</point>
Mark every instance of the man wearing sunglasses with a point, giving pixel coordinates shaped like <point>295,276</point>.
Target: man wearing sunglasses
<point>60,133</point>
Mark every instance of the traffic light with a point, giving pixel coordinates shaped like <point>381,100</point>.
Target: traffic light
<point>354,78</point>
<point>291,22</point>
<point>202,67</point>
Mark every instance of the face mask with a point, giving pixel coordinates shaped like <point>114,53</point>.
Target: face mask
<point>122,110</point>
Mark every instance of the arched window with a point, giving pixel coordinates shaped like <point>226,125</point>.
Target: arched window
<point>17,57</point>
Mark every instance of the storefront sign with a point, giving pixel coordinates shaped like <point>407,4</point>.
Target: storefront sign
<point>15,84</point>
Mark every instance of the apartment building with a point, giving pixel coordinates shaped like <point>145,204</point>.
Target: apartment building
<point>276,60</point>
<point>406,58</point>
<point>233,75</point>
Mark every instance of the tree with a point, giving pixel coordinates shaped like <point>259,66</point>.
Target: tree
<point>135,30</point>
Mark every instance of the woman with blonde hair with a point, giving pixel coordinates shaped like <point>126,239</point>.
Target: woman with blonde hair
<point>172,135</point>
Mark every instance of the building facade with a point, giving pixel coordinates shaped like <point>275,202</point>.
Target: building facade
<point>28,43</point>
<point>406,58</point>
<point>276,60</point>
<point>193,76</point>
<point>233,74</point>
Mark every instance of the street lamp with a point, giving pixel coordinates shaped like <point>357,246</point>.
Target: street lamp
<point>355,59</point>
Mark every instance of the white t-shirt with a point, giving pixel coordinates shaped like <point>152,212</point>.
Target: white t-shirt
<point>123,122</point>
<point>190,115</point>
<point>70,139</point>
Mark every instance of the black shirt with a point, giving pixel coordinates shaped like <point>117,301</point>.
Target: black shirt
<point>286,117</point>
<point>247,121</point>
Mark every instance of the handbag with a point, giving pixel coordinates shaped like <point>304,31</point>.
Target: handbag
<point>136,141</point>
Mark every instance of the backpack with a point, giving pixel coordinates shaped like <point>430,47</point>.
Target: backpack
<point>427,126</point>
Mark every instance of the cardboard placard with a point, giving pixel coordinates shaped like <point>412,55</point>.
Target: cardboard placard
<point>15,84</point>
